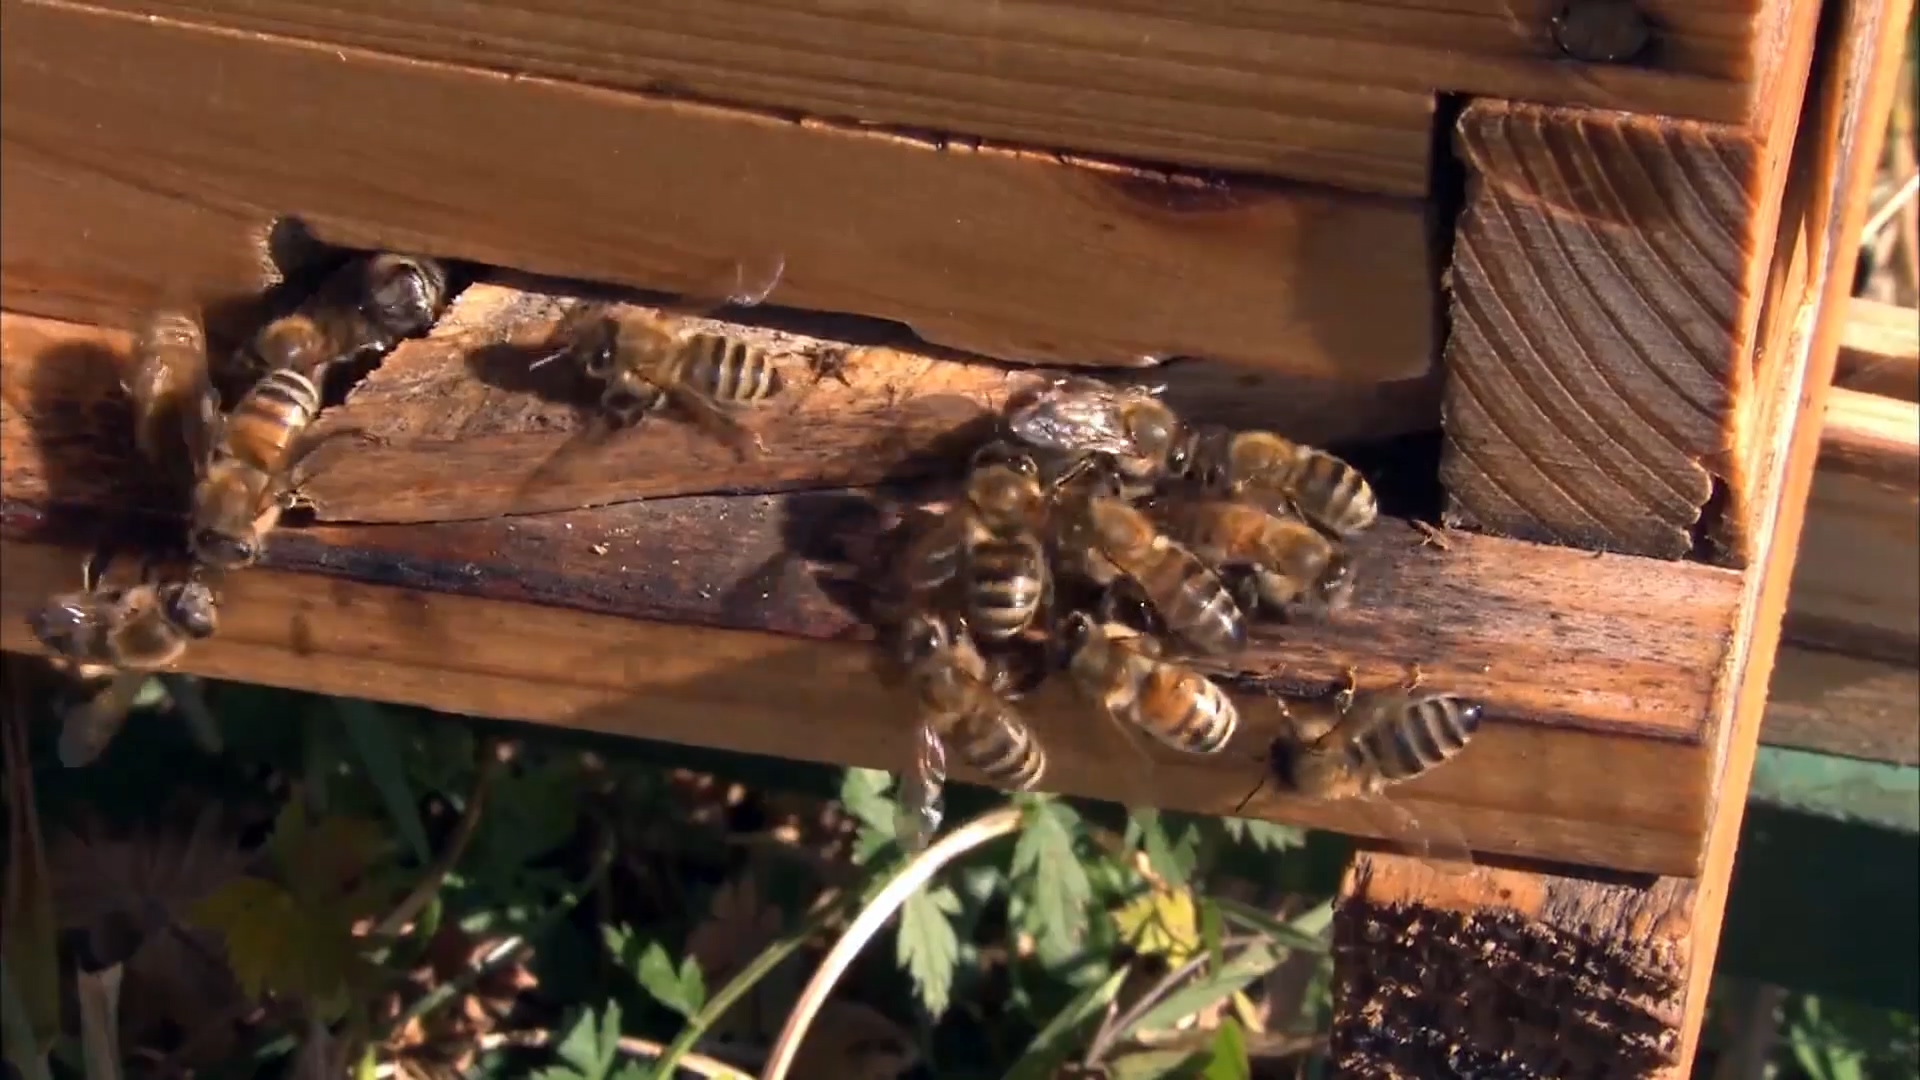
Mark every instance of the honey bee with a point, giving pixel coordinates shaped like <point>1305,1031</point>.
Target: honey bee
<point>1078,416</point>
<point>368,305</point>
<point>251,471</point>
<point>1356,745</point>
<point>1283,476</point>
<point>642,365</point>
<point>959,707</point>
<point>1291,562</point>
<point>128,631</point>
<point>991,544</point>
<point>1108,539</point>
<point>169,375</point>
<point>1123,670</point>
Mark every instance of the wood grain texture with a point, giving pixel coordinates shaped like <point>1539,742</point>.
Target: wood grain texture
<point>1601,323</point>
<point>1856,586</point>
<point>623,620</point>
<point>472,433</point>
<point>1838,704</point>
<point>1184,81</point>
<point>1007,253</point>
<point>1610,979</point>
<point>1880,350</point>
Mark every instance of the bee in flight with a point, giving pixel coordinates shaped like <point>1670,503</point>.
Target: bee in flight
<point>1289,564</point>
<point>1122,669</point>
<point>368,305</point>
<point>1357,745</point>
<point>1109,541</point>
<point>128,631</point>
<point>990,544</point>
<point>246,464</point>
<point>958,707</point>
<point>1148,443</point>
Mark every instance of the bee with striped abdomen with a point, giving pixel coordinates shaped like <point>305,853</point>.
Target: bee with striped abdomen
<point>130,632</point>
<point>1289,564</point>
<point>368,305</point>
<point>1108,539</point>
<point>1280,475</point>
<point>1123,670</point>
<point>958,709</point>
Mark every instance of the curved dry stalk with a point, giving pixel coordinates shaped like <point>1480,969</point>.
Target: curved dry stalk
<point>428,887</point>
<point>879,910</point>
<point>713,1068</point>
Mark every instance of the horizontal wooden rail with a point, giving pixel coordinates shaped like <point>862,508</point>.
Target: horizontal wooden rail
<point>1880,352</point>
<point>1179,81</point>
<point>628,618</point>
<point>117,197</point>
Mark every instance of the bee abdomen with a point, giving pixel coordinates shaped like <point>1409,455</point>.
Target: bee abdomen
<point>1202,611</point>
<point>1007,578</point>
<point>1429,734</point>
<point>731,370</point>
<point>1343,496</point>
<point>1003,749</point>
<point>264,423</point>
<point>1185,710</point>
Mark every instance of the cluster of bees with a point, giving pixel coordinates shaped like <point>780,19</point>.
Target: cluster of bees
<point>1099,534</point>
<point>245,464</point>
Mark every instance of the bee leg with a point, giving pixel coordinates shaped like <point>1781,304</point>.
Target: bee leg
<point>1415,676</point>
<point>1431,537</point>
<point>1348,691</point>
<point>93,568</point>
<point>745,441</point>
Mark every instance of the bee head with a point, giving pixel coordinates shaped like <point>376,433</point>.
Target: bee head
<point>404,293</point>
<point>923,636</point>
<point>190,606</point>
<point>223,550</point>
<point>1153,427</point>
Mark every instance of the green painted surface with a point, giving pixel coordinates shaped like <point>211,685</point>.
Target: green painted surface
<point>1841,789</point>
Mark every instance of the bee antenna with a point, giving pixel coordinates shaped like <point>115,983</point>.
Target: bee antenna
<point>549,358</point>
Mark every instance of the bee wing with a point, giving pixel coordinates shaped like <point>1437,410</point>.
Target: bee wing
<point>87,728</point>
<point>1075,415</point>
<point>558,466</point>
<point>1433,840</point>
<point>716,421</point>
<point>920,810</point>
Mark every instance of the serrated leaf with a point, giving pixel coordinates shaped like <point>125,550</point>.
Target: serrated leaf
<point>926,946</point>
<point>320,861</point>
<point>1268,836</point>
<point>1056,883</point>
<point>1060,1037</point>
<point>1160,923</point>
<point>1173,848</point>
<point>1201,994</point>
<point>681,989</point>
<point>372,739</point>
<point>591,1048</point>
<point>277,943</point>
<point>864,793</point>
<point>1227,1056</point>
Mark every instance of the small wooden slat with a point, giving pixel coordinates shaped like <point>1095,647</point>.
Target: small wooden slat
<point>471,431</point>
<point>1608,281</point>
<point>1856,589</point>
<point>1550,975</point>
<point>1837,704</point>
<point>1168,80</point>
<point>1007,253</point>
<point>1880,351</point>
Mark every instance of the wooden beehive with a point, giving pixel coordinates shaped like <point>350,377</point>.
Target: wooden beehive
<point>1598,244</point>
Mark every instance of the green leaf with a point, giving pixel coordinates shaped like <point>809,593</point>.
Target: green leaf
<point>1303,932</point>
<point>590,1049</point>
<point>864,793</point>
<point>1247,965</point>
<point>1045,863</point>
<point>1210,931</point>
<point>1227,1058</point>
<point>926,946</point>
<point>1265,835</point>
<point>1173,848</point>
<point>1057,1041</point>
<point>1157,1065</point>
<point>380,755</point>
<point>682,989</point>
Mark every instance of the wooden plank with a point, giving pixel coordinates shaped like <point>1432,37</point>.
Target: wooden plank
<point>1880,350</point>
<point>1856,588</point>
<point>1008,253</point>
<point>894,411</point>
<point>1838,704</point>
<point>1547,974</point>
<point>1604,308</point>
<point>1171,80</point>
<point>621,620</point>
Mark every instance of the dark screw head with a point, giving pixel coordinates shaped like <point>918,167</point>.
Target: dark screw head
<point>1601,31</point>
